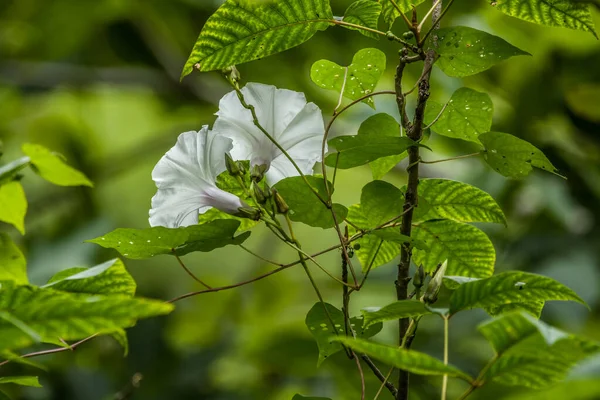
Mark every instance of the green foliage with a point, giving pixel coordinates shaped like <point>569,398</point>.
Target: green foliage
<point>304,205</point>
<point>466,51</point>
<point>300,397</point>
<point>364,13</point>
<point>107,278</point>
<point>509,287</point>
<point>9,171</point>
<point>54,314</point>
<point>13,205</point>
<point>395,311</point>
<point>457,201</point>
<point>513,157</point>
<point>468,250</point>
<point>150,242</point>
<point>241,31</point>
<point>21,380</point>
<point>358,79</point>
<point>533,308</point>
<point>467,114</point>
<point>353,151</point>
<point>52,168</point>
<point>318,321</point>
<point>214,214</point>
<point>390,12</point>
<point>13,266</point>
<point>384,125</point>
<point>409,360</point>
<point>562,13</point>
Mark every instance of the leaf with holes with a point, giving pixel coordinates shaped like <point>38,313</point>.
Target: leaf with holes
<point>13,205</point>
<point>54,314</point>
<point>107,278</point>
<point>364,13</point>
<point>513,157</point>
<point>457,201</point>
<point>304,205</point>
<point>384,125</point>
<point>395,311</point>
<point>390,12</point>
<point>150,242</point>
<point>358,79</point>
<point>408,360</point>
<point>319,324</point>
<point>466,51</point>
<point>241,31</point>
<point>357,150</point>
<point>467,114</point>
<point>468,250</point>
<point>509,287</point>
<point>13,266</point>
<point>52,167</point>
<point>560,13</point>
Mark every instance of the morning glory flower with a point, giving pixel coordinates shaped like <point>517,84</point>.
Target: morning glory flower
<point>297,126</point>
<point>186,176</point>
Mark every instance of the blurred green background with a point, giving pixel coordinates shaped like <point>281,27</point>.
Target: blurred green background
<point>98,81</point>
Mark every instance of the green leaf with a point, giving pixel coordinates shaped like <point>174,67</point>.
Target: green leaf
<point>513,157</point>
<point>120,337</point>
<point>241,31</point>
<point>110,277</point>
<point>408,360</point>
<point>360,77</point>
<point>13,205</point>
<point>319,325</point>
<point>52,168</point>
<point>150,242</point>
<point>21,380</point>
<point>509,287</point>
<point>468,250</point>
<point>384,125</point>
<point>304,205</point>
<point>394,311</point>
<point>535,364</point>
<point>13,266</point>
<point>364,13</point>
<point>214,214</point>
<point>466,51</point>
<point>510,329</point>
<point>457,201</point>
<point>300,397</point>
<point>534,308</point>
<point>390,12</point>
<point>468,114</point>
<point>9,171</point>
<point>55,314</point>
<point>561,13</point>
<point>381,202</point>
<point>371,250</point>
<point>356,150</point>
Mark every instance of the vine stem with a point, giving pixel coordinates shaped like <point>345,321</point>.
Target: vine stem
<point>190,273</point>
<point>445,378</point>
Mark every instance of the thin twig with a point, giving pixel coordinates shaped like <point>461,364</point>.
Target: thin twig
<point>339,104</point>
<point>190,273</point>
<point>384,379</point>
<point>445,378</point>
<point>260,257</point>
<point>362,377</point>
<point>435,25</point>
<point>384,383</point>
<point>427,15</point>
<point>436,119</point>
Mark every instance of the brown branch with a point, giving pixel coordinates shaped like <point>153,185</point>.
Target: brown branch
<point>190,273</point>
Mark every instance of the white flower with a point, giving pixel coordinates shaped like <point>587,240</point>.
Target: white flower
<point>285,115</point>
<point>185,178</point>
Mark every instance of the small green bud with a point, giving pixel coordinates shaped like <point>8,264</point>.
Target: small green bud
<point>232,167</point>
<point>408,35</point>
<point>390,35</point>
<point>248,213</point>
<point>435,284</point>
<point>258,194</point>
<point>258,172</point>
<point>241,167</point>
<point>267,191</point>
<point>280,204</point>
<point>419,278</point>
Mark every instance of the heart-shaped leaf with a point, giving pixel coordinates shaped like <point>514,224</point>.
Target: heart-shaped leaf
<point>357,79</point>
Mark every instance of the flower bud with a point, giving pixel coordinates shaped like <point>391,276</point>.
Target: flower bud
<point>280,203</point>
<point>232,167</point>
<point>258,193</point>
<point>258,172</point>
<point>419,278</point>
<point>249,213</point>
<point>390,35</point>
<point>435,284</point>
<point>408,35</point>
